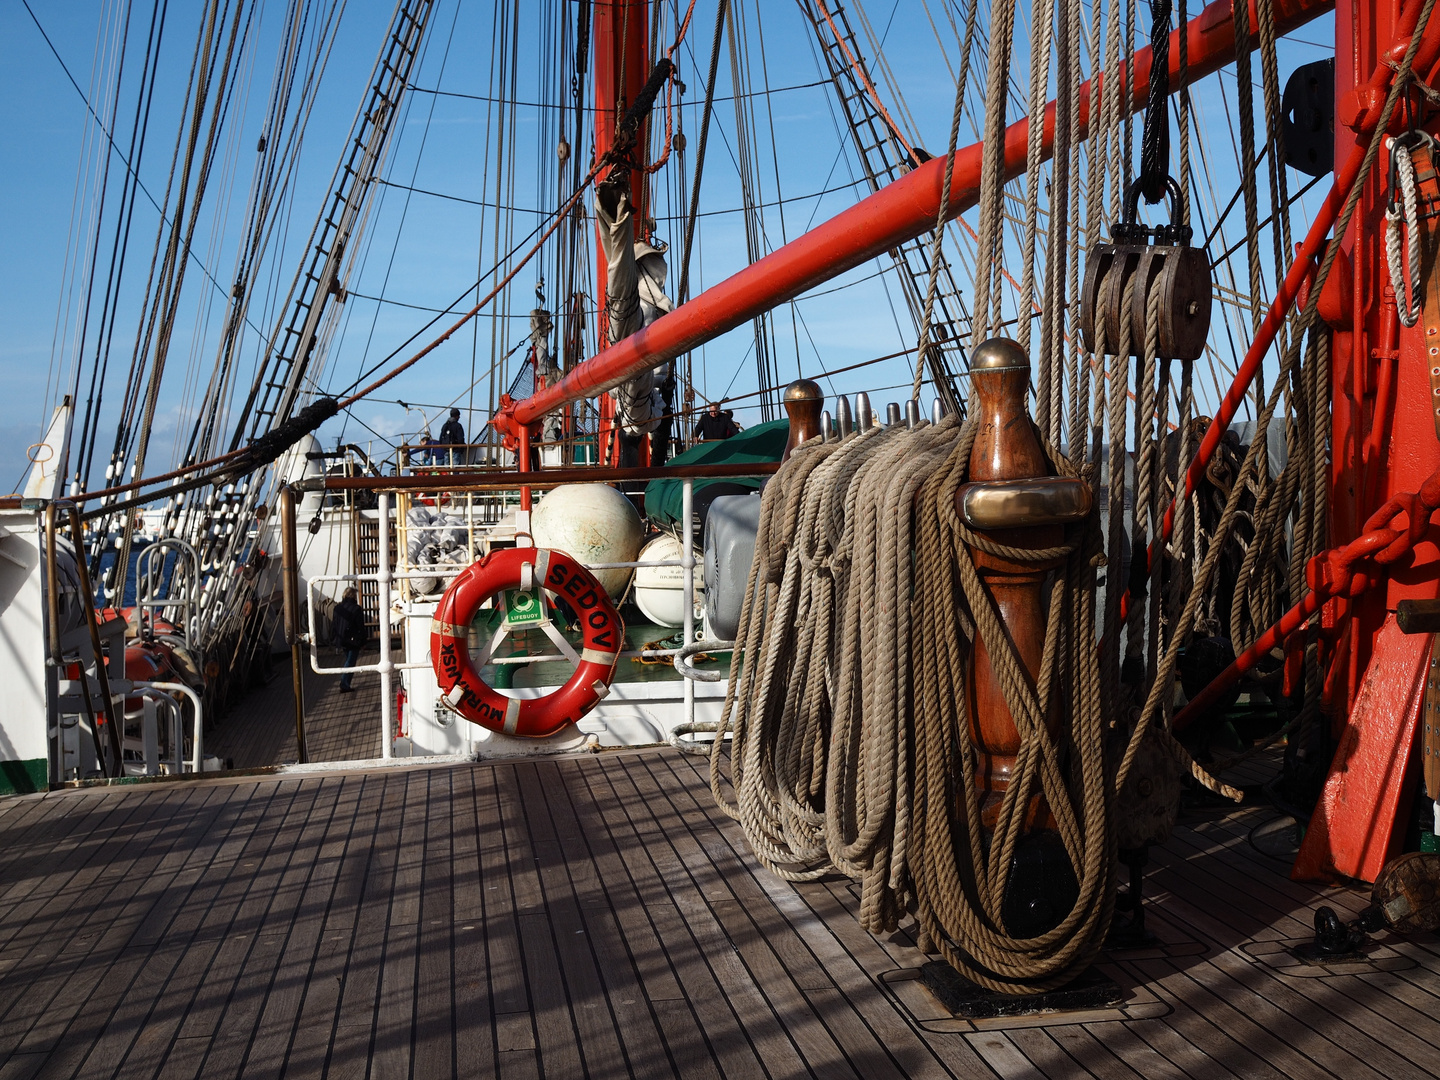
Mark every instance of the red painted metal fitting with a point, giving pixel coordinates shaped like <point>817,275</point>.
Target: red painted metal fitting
<point>1294,663</point>
<point>504,422</point>
<point>1360,109</point>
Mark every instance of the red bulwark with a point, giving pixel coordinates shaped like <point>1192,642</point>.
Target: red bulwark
<point>1352,829</point>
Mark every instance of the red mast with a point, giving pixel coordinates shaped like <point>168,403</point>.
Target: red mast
<point>1383,443</point>
<point>1384,436</point>
<point>622,64</point>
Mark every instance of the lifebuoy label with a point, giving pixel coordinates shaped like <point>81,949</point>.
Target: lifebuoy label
<point>601,629</point>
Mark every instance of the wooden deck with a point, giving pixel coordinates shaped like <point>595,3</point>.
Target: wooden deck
<point>338,727</point>
<point>598,917</point>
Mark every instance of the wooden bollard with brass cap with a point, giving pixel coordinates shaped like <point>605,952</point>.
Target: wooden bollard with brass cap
<point>803,401</point>
<point>1014,499</point>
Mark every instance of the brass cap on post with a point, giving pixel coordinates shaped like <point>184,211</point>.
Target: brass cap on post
<point>999,354</point>
<point>803,399</point>
<point>803,390</point>
<point>1019,504</point>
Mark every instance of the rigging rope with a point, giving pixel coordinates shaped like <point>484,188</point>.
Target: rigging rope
<point>869,86</point>
<point>829,640</point>
<point>923,348</point>
<point>683,293</point>
<point>555,223</point>
<point>1406,210</point>
<point>989,247</point>
<point>1155,137</point>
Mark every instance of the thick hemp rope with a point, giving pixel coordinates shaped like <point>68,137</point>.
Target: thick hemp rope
<point>847,704</point>
<point>960,909</point>
<point>848,696</point>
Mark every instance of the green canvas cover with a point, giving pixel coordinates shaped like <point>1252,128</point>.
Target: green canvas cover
<point>763,442</point>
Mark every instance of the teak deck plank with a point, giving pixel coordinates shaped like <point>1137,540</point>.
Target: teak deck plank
<point>775,1045</point>
<point>45,1008</point>
<point>1345,1019</point>
<point>591,916</point>
<point>619,979</point>
<point>816,963</point>
<point>434,1037</point>
<point>539,965</point>
<point>678,980</point>
<point>311,885</point>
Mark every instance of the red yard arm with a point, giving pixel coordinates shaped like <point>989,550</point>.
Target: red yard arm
<point>901,211</point>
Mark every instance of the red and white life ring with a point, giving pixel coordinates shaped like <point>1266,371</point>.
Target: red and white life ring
<point>462,687</point>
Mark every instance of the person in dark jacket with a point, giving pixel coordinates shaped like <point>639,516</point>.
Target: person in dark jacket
<point>715,424</point>
<point>350,634</point>
<point>452,436</point>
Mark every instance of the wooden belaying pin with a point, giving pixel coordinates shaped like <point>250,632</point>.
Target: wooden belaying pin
<point>803,401</point>
<point>1014,496</point>
<point>1016,502</point>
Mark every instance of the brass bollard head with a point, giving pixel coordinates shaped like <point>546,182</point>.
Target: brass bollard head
<point>999,354</point>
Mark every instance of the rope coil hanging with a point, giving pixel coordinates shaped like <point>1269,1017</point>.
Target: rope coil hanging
<point>848,697</point>
<point>1404,210</point>
<point>847,704</point>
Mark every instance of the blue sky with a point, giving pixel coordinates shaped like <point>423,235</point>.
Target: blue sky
<point>422,248</point>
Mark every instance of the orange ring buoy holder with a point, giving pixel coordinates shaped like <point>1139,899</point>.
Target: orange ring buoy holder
<point>460,684</point>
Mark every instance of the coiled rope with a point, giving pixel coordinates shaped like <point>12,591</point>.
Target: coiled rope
<point>1406,210</point>
<point>851,747</point>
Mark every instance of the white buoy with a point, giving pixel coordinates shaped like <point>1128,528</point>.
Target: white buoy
<point>594,523</point>
<point>660,590</point>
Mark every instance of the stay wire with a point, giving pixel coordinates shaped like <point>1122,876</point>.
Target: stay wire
<point>683,292</point>
<point>923,348</point>
<point>555,223</point>
<point>123,159</point>
<point>1155,136</point>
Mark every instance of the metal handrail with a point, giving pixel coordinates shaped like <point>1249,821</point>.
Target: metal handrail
<point>538,478</point>
<point>386,576</point>
<point>685,668</point>
<point>197,749</point>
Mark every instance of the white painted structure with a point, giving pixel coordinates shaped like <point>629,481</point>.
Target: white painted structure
<point>633,714</point>
<point>23,636</point>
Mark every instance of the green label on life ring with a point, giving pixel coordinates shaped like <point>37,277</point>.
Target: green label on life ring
<point>524,608</point>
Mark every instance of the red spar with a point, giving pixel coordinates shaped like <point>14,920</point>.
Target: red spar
<point>898,212</point>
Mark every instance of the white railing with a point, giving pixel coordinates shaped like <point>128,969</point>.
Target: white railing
<point>385,578</point>
<point>182,590</point>
<point>153,695</point>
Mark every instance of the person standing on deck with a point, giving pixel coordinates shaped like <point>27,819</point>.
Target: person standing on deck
<point>715,424</point>
<point>350,634</point>
<point>452,436</point>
